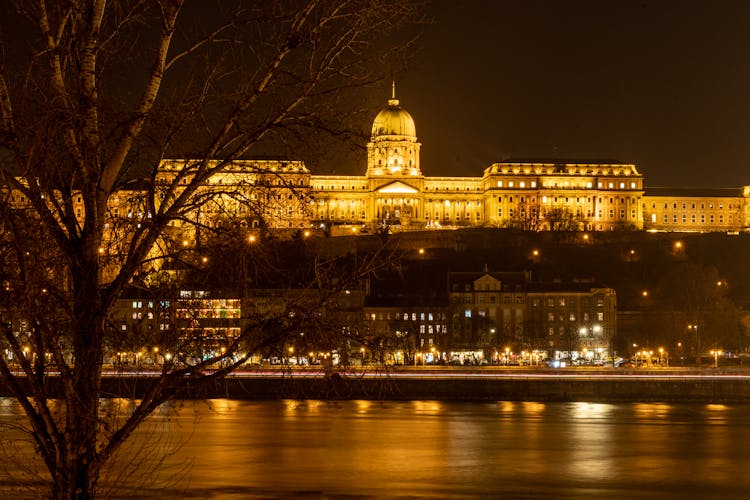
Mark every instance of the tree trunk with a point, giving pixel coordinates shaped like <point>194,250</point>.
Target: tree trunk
<point>78,477</point>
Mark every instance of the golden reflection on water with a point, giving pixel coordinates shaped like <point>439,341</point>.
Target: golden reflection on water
<point>507,406</point>
<point>588,411</point>
<point>533,409</point>
<point>362,406</point>
<point>717,408</point>
<point>652,410</point>
<point>421,449</point>
<point>429,407</point>
<point>718,439</point>
<point>587,439</point>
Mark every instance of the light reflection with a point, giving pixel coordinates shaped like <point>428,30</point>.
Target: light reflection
<point>533,408</point>
<point>430,407</point>
<point>9,407</point>
<point>717,407</point>
<point>465,450</point>
<point>507,406</point>
<point>294,407</point>
<point>363,405</point>
<point>652,410</point>
<point>718,440</point>
<point>587,411</point>
<point>221,406</point>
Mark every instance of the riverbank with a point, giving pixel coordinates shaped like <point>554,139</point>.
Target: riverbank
<point>477,385</point>
<point>594,385</point>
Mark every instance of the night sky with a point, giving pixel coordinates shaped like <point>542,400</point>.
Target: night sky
<point>662,84</point>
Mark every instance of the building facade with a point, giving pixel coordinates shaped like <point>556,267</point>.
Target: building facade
<point>507,317</point>
<point>394,193</point>
<point>528,194</point>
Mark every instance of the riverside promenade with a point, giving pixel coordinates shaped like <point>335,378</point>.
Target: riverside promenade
<point>714,385</point>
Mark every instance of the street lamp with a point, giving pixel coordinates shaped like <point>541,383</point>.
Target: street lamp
<point>697,343</point>
<point>716,353</point>
<point>507,354</point>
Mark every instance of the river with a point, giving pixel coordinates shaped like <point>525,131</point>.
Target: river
<point>230,449</point>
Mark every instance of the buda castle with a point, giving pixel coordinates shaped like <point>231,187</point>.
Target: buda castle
<point>527,194</point>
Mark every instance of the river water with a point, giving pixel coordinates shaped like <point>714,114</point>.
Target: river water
<point>228,449</point>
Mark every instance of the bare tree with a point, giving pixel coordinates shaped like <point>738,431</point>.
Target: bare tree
<point>525,218</point>
<point>94,94</point>
<point>562,219</point>
<point>703,315</point>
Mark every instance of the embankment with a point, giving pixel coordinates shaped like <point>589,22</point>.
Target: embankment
<point>480,385</point>
<point>458,388</point>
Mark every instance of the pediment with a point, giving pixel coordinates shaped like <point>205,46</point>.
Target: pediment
<point>397,187</point>
<point>486,279</point>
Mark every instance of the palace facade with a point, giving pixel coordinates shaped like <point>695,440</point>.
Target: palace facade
<point>395,194</point>
<point>528,194</point>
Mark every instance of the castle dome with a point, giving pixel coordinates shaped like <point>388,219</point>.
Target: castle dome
<point>393,120</point>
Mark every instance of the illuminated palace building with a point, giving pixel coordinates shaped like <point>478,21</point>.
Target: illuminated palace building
<point>524,194</point>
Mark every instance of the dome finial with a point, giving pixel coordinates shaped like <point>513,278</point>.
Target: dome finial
<point>393,101</point>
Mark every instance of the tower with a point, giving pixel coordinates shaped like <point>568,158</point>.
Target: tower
<point>393,149</point>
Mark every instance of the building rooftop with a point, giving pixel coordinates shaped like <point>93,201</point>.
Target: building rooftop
<point>693,192</point>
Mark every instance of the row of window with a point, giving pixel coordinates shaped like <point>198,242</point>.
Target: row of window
<point>693,218</point>
<point>492,299</point>
<point>563,331</point>
<point>162,327</point>
<point>572,317</point>
<point>693,205</point>
<point>566,184</point>
<point>552,302</point>
<point>578,212</point>
<point>391,315</point>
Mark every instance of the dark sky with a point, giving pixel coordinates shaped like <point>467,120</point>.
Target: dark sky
<point>663,84</point>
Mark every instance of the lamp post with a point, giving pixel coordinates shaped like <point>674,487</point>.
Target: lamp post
<point>507,356</point>
<point>716,353</point>
<point>697,343</point>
